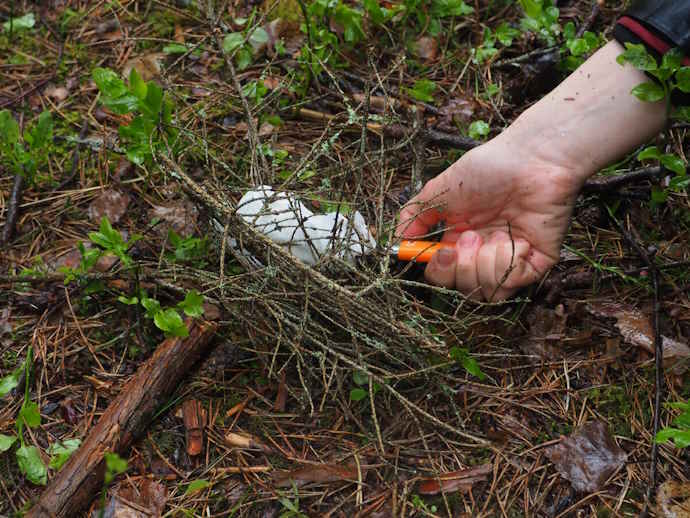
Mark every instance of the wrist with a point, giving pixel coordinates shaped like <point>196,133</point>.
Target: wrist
<point>590,120</point>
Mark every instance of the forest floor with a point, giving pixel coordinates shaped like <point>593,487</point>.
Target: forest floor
<point>340,389</point>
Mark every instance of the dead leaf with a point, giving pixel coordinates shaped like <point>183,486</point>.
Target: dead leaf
<point>281,396</point>
<point>58,93</point>
<point>426,48</point>
<point>266,128</point>
<point>317,473</point>
<point>247,441</point>
<point>5,326</point>
<point>107,26</point>
<point>146,501</point>
<point>272,82</point>
<point>378,103</point>
<point>454,481</point>
<point>457,111</point>
<point>636,329</point>
<point>547,330</point>
<point>588,457</point>
<point>148,66</point>
<point>181,216</point>
<point>179,33</point>
<point>111,203</point>
<point>673,499</point>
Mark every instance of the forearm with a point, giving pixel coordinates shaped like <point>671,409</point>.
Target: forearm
<point>591,119</point>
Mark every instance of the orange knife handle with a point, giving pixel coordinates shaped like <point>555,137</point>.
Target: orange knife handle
<point>420,251</point>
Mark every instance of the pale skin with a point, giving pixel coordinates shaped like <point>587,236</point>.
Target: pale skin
<point>506,204</point>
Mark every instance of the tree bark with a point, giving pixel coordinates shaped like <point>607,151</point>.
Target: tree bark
<point>80,479</point>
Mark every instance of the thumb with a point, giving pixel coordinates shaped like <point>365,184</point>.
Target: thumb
<point>424,210</point>
<point>441,268</point>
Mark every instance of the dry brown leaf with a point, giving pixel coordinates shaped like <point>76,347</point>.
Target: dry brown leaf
<point>111,203</point>
<point>454,481</point>
<point>457,111</point>
<point>547,330</point>
<point>148,66</point>
<point>146,501</point>
<point>426,48</point>
<point>588,457</point>
<point>58,93</point>
<point>317,473</point>
<point>181,216</point>
<point>673,499</point>
<point>266,128</point>
<point>636,329</point>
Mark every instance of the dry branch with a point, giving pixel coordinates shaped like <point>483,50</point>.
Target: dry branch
<point>124,420</point>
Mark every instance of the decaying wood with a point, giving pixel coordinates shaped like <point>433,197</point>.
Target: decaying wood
<point>193,416</point>
<point>124,420</point>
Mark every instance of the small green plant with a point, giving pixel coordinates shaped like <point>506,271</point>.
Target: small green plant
<point>576,49</point>
<point>671,162</point>
<point>20,23</point>
<point>26,155</point>
<point>478,130</point>
<point>197,485</point>
<point>29,458</point>
<point>419,503</point>
<point>187,249</point>
<point>362,389</point>
<point>504,34</point>
<point>670,75</point>
<point>291,506</point>
<point>243,47</point>
<point>462,356</point>
<point>114,466</point>
<point>680,432</point>
<point>151,129</point>
<point>541,18</point>
<point>422,90</point>
<point>169,320</point>
<point>110,241</point>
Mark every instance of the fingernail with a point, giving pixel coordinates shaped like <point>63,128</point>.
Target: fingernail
<point>468,239</point>
<point>445,257</point>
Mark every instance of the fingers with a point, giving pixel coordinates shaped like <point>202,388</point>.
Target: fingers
<point>422,212</point>
<point>503,266</point>
<point>457,268</point>
<point>492,269</point>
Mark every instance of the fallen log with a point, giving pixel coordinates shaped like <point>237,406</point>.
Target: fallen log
<point>127,417</point>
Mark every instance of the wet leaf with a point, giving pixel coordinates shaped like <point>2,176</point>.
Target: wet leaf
<point>673,499</point>
<point>588,457</point>
<point>196,486</point>
<point>111,203</point>
<point>426,48</point>
<point>636,329</point>
<point>31,465</point>
<point>319,473</point>
<point>454,481</point>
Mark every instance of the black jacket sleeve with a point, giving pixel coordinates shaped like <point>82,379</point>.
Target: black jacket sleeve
<point>668,19</point>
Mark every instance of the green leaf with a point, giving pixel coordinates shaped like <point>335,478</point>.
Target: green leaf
<point>31,465</point>
<point>505,34</point>
<point>360,378</point>
<point>672,60</point>
<point>374,10</point>
<point>42,132</point>
<point>682,113</point>
<point>446,8</point>
<point>578,46</point>
<point>648,92</point>
<point>196,485</point>
<point>423,90</point>
<point>115,94</point>
<point>358,394</point>
<point>175,48</point>
<point>462,355</point>
<point>478,129</point>
<point>21,23</point>
<point>649,153</point>
<point>152,306</point>
<point>673,163</point>
<point>637,56</point>
<point>6,442</point>
<point>243,58</point>
<point>61,452</point>
<point>9,129</point>
<point>30,414</point>
<point>681,438</point>
<point>170,322</point>
<point>569,31</point>
<point>232,41</point>
<point>130,301</point>
<point>258,38</point>
<point>153,102</point>
<point>192,305</point>
<point>114,463</point>
<point>137,84</point>
<point>10,381</point>
<point>683,79</point>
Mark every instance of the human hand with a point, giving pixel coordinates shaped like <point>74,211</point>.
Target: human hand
<point>506,204</point>
<point>506,211</point>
